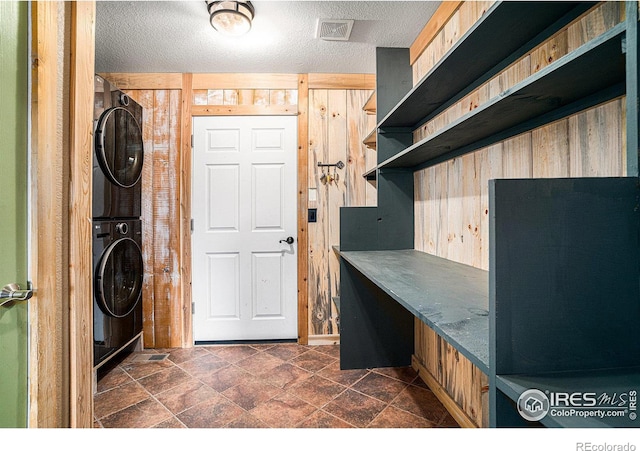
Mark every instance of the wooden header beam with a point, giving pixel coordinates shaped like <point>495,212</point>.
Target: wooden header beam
<point>244,110</point>
<point>433,27</point>
<point>245,81</point>
<point>144,81</point>
<point>239,81</point>
<point>342,81</point>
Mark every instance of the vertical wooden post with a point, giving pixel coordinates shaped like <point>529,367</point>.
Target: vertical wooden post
<point>185,209</point>
<point>83,16</point>
<point>44,382</point>
<point>303,238</point>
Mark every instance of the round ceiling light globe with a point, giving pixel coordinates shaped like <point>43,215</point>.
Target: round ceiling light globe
<point>232,18</point>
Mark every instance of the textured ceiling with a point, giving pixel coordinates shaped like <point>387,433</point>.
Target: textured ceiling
<point>175,36</point>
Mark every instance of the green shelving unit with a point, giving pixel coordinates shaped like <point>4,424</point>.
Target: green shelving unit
<point>501,35</point>
<point>559,301</point>
<point>590,75</point>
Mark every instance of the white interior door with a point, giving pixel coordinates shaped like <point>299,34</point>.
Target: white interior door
<point>244,205</point>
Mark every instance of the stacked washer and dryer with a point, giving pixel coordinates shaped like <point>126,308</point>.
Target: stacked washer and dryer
<point>117,227</point>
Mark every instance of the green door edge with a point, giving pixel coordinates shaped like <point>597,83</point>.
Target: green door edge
<point>14,35</point>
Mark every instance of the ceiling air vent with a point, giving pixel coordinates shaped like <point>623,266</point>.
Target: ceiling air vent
<point>334,29</point>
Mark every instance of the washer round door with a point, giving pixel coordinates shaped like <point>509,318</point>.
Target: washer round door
<point>119,147</point>
<point>118,280</point>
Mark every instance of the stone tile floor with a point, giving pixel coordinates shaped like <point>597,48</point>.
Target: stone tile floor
<point>261,386</point>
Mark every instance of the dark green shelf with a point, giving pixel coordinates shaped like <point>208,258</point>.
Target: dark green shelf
<point>592,74</point>
<point>371,174</point>
<point>449,297</point>
<point>503,30</point>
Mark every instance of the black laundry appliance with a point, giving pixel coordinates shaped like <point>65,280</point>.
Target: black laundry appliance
<point>118,153</point>
<point>118,278</point>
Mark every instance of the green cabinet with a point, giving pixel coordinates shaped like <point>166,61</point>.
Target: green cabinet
<point>561,294</point>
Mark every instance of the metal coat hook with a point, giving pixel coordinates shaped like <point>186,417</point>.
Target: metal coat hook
<point>338,165</point>
<point>328,177</point>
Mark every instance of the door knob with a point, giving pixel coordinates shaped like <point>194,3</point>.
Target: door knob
<point>289,240</point>
<point>12,293</point>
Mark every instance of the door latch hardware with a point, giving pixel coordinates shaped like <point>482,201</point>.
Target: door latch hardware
<point>12,293</point>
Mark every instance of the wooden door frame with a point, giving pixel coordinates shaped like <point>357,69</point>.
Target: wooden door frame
<point>82,70</point>
<point>60,314</point>
<point>249,81</point>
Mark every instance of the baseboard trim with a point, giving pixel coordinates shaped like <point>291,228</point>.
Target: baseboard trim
<point>244,342</point>
<point>318,340</point>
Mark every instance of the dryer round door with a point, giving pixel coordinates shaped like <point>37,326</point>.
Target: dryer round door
<point>118,280</point>
<point>119,147</point>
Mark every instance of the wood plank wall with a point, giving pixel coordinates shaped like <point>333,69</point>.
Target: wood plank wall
<point>459,384</point>
<point>451,198</point>
<point>454,20</point>
<point>337,127</point>
<point>161,232</point>
<point>216,97</point>
<point>360,158</point>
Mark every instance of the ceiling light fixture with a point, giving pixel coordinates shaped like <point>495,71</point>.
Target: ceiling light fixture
<point>231,18</point>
